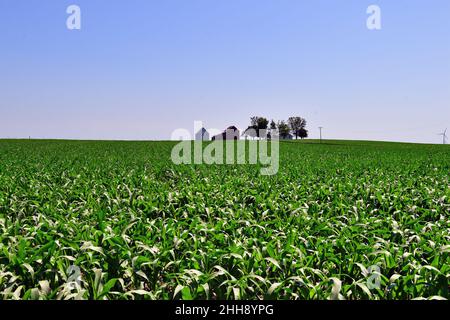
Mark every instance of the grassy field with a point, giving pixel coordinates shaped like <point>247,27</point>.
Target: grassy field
<point>139,227</point>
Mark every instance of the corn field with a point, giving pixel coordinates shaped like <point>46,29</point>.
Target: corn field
<point>118,220</point>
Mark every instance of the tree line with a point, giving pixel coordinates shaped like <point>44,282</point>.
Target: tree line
<point>261,128</point>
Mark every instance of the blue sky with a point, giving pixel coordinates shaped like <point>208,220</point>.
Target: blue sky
<point>139,69</point>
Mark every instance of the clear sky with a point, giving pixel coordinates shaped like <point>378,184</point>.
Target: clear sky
<point>139,69</point>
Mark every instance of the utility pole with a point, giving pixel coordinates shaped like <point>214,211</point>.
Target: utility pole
<point>320,128</point>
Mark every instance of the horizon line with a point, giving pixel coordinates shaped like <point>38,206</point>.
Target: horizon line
<point>193,140</point>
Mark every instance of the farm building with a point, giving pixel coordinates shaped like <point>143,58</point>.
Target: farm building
<point>287,137</point>
<point>253,133</point>
<point>230,133</point>
<point>276,135</point>
<point>202,135</point>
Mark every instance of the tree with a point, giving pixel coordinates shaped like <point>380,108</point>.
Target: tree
<point>283,129</point>
<point>296,123</point>
<point>272,129</point>
<point>259,124</point>
<point>262,123</point>
<point>262,127</point>
<point>273,125</point>
<point>303,133</point>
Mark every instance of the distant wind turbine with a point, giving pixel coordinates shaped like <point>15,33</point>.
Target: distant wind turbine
<point>444,136</point>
